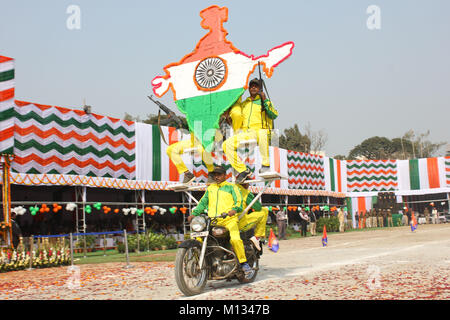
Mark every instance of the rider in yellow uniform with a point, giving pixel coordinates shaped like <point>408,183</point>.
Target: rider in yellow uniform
<point>224,197</point>
<point>257,218</point>
<point>254,118</point>
<point>176,150</point>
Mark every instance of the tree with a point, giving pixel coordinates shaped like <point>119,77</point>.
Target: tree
<point>292,139</point>
<point>373,148</point>
<point>340,157</point>
<point>318,138</point>
<point>409,146</point>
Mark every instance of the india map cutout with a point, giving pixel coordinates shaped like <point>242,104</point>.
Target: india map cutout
<point>209,80</point>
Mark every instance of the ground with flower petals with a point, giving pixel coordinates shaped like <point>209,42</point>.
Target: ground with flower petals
<point>393,263</point>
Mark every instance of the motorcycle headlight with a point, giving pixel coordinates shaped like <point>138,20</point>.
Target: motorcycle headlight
<point>198,224</point>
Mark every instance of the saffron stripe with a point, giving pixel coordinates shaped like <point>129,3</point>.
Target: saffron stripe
<point>433,173</point>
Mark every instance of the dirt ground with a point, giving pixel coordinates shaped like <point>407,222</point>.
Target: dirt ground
<point>393,263</point>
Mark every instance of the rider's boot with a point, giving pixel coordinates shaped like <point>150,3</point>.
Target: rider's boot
<point>256,242</point>
<point>248,271</point>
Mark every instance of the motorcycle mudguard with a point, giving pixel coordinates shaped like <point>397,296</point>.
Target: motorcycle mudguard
<point>190,244</point>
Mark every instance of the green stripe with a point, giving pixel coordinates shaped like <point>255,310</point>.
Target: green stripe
<point>72,148</point>
<point>156,160</point>
<point>374,200</point>
<point>294,158</point>
<point>7,114</point>
<point>7,75</point>
<point>372,166</point>
<point>307,174</point>
<point>414,174</point>
<point>348,202</point>
<point>333,187</point>
<point>9,150</point>
<point>371,178</point>
<point>207,109</point>
<point>80,125</point>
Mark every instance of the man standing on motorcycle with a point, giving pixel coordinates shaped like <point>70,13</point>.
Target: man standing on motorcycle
<point>224,197</point>
<point>257,218</point>
<point>254,117</point>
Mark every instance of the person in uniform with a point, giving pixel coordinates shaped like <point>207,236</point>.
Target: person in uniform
<point>426,213</point>
<point>254,117</point>
<point>380,218</point>
<point>369,219</point>
<point>341,218</point>
<point>224,197</point>
<point>374,218</point>
<point>256,219</point>
<point>390,223</point>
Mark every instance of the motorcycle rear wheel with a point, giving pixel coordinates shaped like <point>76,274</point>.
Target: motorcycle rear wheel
<point>254,264</point>
<point>190,280</point>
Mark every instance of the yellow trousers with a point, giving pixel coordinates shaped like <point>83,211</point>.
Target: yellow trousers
<point>176,150</point>
<point>232,225</point>
<point>231,145</point>
<point>257,219</point>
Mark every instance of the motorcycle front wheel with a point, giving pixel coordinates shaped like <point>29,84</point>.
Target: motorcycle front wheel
<point>190,279</point>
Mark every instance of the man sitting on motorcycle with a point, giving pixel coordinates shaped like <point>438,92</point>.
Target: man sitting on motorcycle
<point>224,197</point>
<point>257,218</point>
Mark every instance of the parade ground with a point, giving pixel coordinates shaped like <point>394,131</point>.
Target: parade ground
<point>389,263</point>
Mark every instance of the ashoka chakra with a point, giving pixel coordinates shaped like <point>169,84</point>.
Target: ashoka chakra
<point>210,73</point>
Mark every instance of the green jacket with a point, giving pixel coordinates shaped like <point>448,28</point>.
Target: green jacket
<point>218,199</point>
<point>247,114</point>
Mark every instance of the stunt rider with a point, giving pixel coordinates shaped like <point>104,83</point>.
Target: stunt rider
<point>224,197</point>
<point>257,218</point>
<point>175,151</point>
<point>254,117</point>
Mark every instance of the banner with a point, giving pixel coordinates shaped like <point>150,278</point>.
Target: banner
<point>306,171</point>
<point>420,174</point>
<point>447,170</point>
<point>55,140</point>
<point>371,175</point>
<point>7,85</point>
<point>335,175</point>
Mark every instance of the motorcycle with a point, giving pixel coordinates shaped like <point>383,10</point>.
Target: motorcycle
<point>208,255</point>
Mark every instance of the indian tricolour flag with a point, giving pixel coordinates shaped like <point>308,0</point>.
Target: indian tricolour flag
<point>335,172</point>
<point>209,80</point>
<point>6,105</point>
<point>419,174</point>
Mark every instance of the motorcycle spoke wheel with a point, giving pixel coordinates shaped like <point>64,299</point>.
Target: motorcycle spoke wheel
<point>190,279</point>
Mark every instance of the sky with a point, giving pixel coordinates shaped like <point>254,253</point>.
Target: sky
<point>349,80</point>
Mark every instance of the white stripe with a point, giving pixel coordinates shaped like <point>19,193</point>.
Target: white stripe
<point>403,175</point>
<point>6,85</point>
<point>6,144</point>
<point>283,168</point>
<point>144,151</point>
<point>6,123</point>
<point>343,175</point>
<point>423,174</point>
<point>368,203</point>
<point>238,66</point>
<point>8,65</point>
<point>442,174</point>
<point>326,171</point>
<point>7,104</point>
